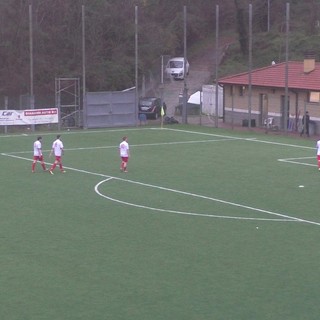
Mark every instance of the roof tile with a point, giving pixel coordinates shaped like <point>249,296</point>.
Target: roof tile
<point>275,75</point>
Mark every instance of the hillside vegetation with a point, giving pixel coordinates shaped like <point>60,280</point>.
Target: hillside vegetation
<point>303,22</point>
<point>110,29</point>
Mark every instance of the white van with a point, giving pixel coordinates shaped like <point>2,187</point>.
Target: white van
<point>175,68</point>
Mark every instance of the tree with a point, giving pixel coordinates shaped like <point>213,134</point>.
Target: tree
<point>110,36</point>
<point>242,30</point>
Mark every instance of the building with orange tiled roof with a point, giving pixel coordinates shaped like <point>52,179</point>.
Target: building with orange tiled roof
<point>268,87</point>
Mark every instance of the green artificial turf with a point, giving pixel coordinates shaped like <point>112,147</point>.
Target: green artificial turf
<point>207,224</point>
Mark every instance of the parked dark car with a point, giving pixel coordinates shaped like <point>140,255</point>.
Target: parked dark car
<point>151,107</point>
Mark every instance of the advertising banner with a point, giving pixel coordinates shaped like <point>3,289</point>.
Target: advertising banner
<point>28,117</point>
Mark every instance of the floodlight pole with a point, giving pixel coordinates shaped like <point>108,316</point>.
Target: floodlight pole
<point>286,98</point>
<point>217,67</point>
<point>268,27</point>
<point>136,65</point>
<point>250,66</point>
<point>31,62</point>
<point>185,89</point>
<point>84,97</point>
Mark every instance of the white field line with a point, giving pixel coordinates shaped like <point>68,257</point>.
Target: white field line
<point>182,212</point>
<point>35,134</point>
<point>292,160</point>
<point>226,138</point>
<point>131,145</point>
<point>289,160</point>
<point>246,139</point>
<point>282,217</point>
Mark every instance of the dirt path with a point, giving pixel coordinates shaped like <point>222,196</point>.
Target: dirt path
<point>202,69</point>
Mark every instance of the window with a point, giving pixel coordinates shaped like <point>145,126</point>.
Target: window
<point>314,96</point>
<point>176,64</point>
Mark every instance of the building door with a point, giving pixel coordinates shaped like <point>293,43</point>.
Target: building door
<point>282,112</point>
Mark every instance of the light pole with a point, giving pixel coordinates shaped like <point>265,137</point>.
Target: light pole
<point>136,65</point>
<point>268,15</point>
<point>84,100</point>
<point>31,61</point>
<point>217,67</point>
<point>185,89</point>
<point>250,65</point>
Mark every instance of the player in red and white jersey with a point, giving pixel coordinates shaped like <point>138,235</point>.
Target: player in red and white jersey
<point>124,154</point>
<point>58,151</point>
<point>37,154</point>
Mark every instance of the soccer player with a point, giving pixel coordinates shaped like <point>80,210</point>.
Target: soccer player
<point>57,149</point>
<point>37,154</point>
<point>124,154</point>
<point>318,154</point>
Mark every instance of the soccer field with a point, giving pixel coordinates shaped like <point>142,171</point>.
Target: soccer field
<point>207,224</point>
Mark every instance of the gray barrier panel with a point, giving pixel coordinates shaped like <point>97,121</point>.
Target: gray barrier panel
<point>110,109</point>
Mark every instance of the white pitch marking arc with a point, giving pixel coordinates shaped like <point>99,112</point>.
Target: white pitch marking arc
<point>284,218</point>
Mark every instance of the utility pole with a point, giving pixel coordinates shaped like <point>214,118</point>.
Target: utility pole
<point>217,67</point>
<point>185,89</point>
<point>84,100</point>
<point>31,61</point>
<point>136,64</point>
<point>250,65</point>
<point>268,27</point>
<point>286,97</point>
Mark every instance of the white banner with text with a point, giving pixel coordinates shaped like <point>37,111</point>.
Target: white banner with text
<point>28,117</point>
